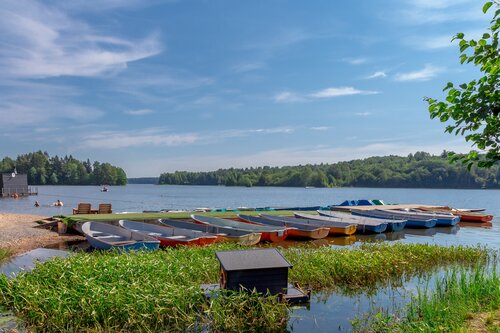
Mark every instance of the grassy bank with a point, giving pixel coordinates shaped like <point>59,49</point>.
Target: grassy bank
<point>4,254</point>
<point>462,301</point>
<point>160,290</point>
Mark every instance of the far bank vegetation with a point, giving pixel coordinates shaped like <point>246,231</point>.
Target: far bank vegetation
<point>419,170</point>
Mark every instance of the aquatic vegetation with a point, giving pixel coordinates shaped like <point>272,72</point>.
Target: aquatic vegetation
<point>454,301</point>
<point>371,264</point>
<point>4,254</point>
<point>152,291</point>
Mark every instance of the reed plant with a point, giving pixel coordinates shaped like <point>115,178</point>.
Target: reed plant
<point>369,265</point>
<point>4,254</point>
<point>449,306</point>
<point>153,291</point>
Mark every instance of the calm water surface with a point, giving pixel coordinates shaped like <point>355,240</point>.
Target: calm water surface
<point>327,312</point>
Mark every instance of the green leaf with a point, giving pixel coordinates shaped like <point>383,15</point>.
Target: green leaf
<point>460,35</point>
<point>448,86</point>
<point>487,6</point>
<point>464,47</point>
<point>486,36</point>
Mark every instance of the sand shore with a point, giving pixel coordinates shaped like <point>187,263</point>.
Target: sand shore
<point>17,233</point>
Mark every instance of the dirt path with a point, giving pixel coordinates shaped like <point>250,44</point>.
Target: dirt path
<point>18,235</point>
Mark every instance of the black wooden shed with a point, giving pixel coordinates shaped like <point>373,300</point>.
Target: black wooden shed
<point>265,270</point>
<point>14,184</point>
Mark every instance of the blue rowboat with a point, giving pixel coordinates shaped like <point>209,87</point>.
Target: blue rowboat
<point>392,225</point>
<point>362,225</point>
<point>442,219</point>
<point>105,236</point>
<point>412,220</point>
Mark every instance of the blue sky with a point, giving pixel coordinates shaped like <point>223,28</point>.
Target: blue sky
<point>156,86</point>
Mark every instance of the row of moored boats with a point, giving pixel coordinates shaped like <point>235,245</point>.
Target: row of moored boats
<point>250,230</point>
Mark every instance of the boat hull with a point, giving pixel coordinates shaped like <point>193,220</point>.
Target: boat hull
<point>344,231</point>
<point>248,240</point>
<point>410,223</point>
<point>268,234</point>
<point>296,231</point>
<point>357,226</point>
<point>371,229</point>
<point>480,218</point>
<point>103,236</point>
<point>396,226</point>
<point>420,224</point>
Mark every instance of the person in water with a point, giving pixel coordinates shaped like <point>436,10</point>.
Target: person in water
<point>58,203</point>
<point>37,204</point>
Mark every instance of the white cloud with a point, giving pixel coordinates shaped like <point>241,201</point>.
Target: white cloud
<point>44,105</point>
<point>287,97</point>
<point>437,11</point>
<point>377,74</point>
<point>41,41</point>
<point>441,41</point>
<point>236,133</point>
<point>363,114</point>
<point>340,91</point>
<point>140,112</point>
<point>292,97</point>
<point>162,138</point>
<point>320,128</point>
<point>355,61</point>
<point>425,74</point>
<point>150,137</point>
<point>288,156</point>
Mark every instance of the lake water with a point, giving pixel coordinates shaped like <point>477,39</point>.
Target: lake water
<point>327,312</point>
<point>136,198</point>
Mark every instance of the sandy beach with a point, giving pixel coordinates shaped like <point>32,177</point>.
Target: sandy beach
<point>17,233</point>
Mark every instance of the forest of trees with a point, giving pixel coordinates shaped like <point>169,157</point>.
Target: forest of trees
<point>143,180</point>
<point>45,170</point>
<point>421,170</point>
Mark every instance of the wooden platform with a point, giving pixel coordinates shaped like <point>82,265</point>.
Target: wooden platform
<point>294,294</point>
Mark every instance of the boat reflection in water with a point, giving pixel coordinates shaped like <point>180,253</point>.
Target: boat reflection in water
<point>395,235</point>
<point>341,241</point>
<point>367,238</point>
<point>448,230</point>
<point>485,225</point>
<point>421,232</point>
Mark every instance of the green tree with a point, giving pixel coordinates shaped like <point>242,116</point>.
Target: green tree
<point>475,106</point>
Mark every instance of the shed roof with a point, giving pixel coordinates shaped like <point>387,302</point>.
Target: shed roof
<point>251,259</point>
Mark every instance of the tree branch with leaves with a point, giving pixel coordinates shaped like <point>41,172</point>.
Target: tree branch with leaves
<point>474,107</point>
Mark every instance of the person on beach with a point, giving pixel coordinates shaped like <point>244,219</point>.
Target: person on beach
<point>37,204</point>
<point>58,203</point>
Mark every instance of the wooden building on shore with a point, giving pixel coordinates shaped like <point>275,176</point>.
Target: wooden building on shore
<point>15,185</point>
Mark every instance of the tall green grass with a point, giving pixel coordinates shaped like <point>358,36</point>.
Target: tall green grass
<point>457,298</point>
<point>4,254</point>
<point>153,291</point>
<point>369,265</point>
